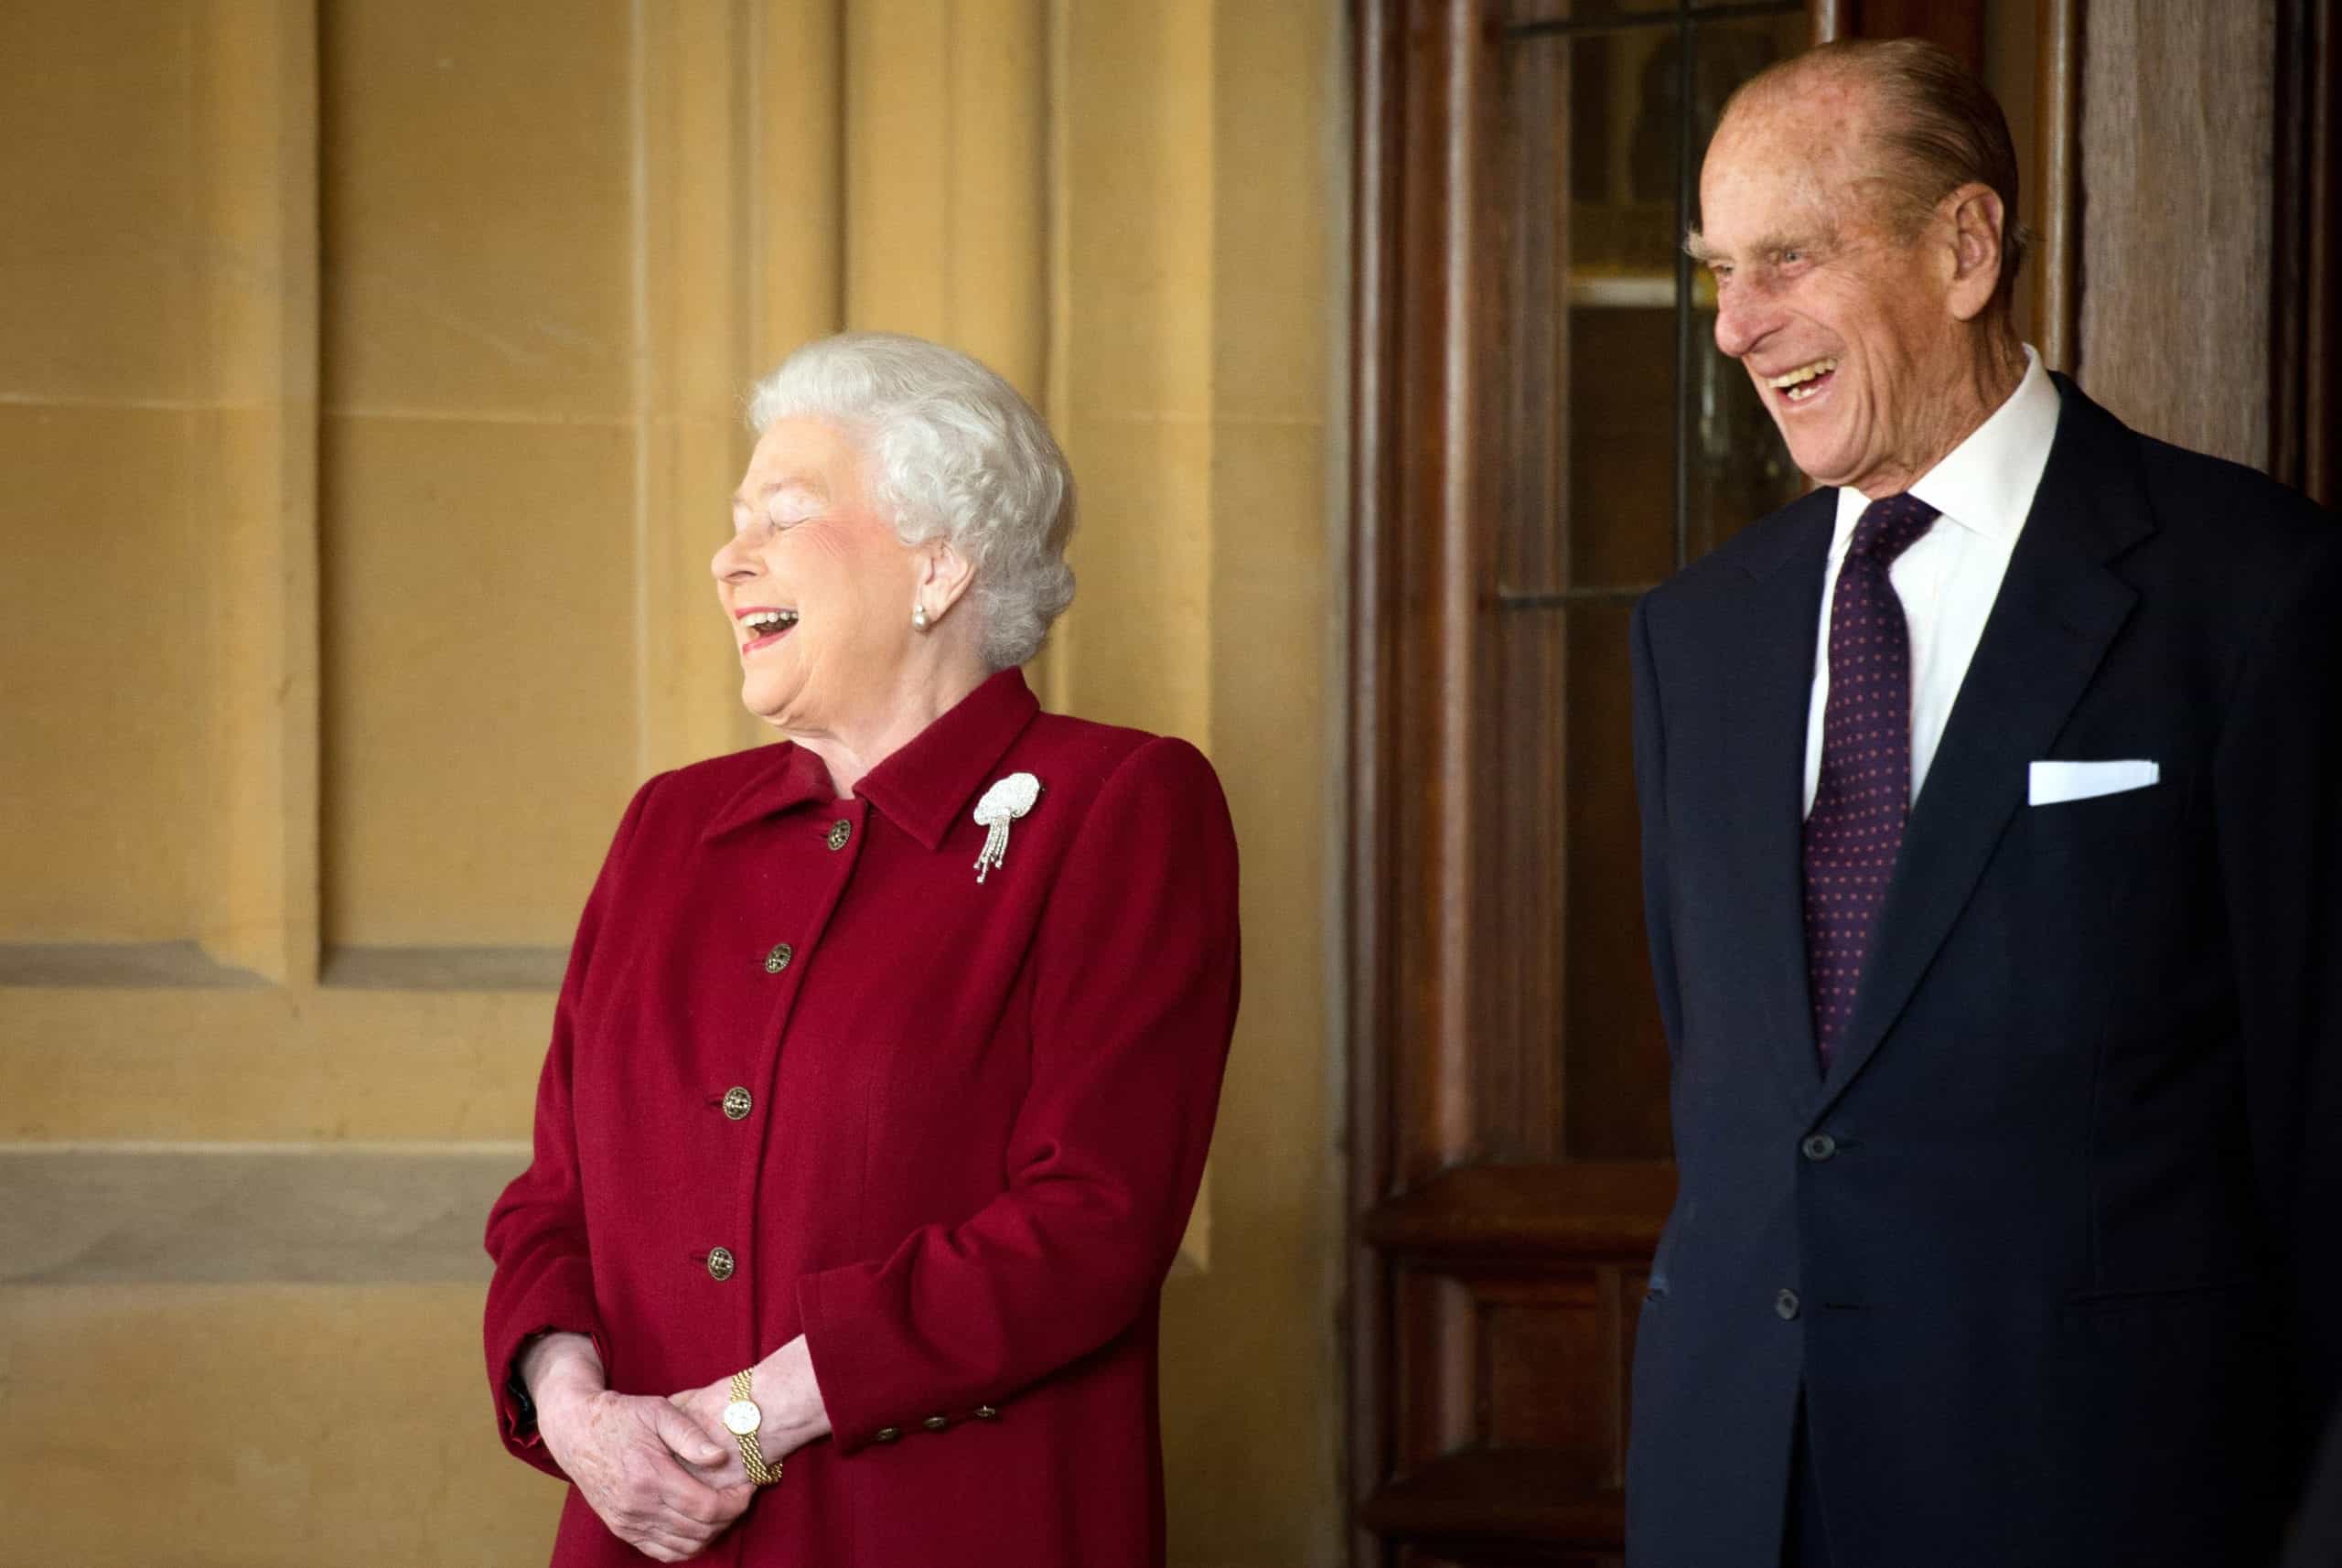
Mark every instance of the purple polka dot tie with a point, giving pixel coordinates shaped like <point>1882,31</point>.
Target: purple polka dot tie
<point>1864,793</point>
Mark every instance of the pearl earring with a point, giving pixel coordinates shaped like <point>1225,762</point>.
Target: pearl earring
<point>919,618</point>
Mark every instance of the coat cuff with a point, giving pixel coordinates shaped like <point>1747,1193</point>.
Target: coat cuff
<point>865,1390</point>
<point>556,1306</point>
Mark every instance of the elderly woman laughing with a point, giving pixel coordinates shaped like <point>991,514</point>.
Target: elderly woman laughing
<point>882,1077</point>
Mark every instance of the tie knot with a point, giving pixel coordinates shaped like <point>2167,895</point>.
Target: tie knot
<point>1891,526</point>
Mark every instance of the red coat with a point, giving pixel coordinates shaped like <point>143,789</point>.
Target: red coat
<point>977,1117</point>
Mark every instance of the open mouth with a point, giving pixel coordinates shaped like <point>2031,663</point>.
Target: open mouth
<point>1805,382</point>
<point>764,627</point>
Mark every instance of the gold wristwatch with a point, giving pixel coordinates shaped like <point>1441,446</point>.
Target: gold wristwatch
<point>741,1419</point>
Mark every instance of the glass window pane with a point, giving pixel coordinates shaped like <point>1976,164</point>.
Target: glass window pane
<point>1622,285</point>
<point>1739,467</point>
<point>1605,386</point>
<point>1589,220</point>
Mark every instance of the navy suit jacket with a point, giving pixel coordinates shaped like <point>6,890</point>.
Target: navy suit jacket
<point>2051,1253</point>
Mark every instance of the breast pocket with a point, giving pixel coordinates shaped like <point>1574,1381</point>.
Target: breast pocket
<point>2115,830</point>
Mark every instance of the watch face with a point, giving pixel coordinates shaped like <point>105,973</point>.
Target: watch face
<point>741,1417</point>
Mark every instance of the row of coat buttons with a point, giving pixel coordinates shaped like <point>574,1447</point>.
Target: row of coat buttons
<point>1816,1147</point>
<point>934,1423</point>
<point>778,958</point>
<point>737,1100</point>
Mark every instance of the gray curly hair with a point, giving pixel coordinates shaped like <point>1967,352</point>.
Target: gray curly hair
<point>958,455</point>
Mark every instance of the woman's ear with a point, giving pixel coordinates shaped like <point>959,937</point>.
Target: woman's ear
<point>945,574</point>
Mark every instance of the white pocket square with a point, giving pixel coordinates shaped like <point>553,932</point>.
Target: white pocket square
<point>2050,783</point>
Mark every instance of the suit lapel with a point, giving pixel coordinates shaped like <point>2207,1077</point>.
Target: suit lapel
<point>2059,609</point>
<point>1772,649</point>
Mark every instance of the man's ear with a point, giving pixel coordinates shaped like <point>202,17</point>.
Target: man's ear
<point>1977,224</point>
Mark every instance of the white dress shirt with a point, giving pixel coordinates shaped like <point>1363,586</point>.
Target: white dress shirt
<point>1949,579</point>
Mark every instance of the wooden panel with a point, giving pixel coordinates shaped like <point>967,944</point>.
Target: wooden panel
<point>1547,1371</point>
<point>1502,1506</point>
<point>2177,134</point>
<point>1957,25</point>
<point>2305,314</point>
<point>1614,1052</point>
<point>2057,307</point>
<point>1482,1216</point>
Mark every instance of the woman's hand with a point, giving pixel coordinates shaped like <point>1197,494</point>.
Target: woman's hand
<point>638,1461</point>
<point>784,1389</point>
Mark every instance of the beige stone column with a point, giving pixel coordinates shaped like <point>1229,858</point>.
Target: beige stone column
<point>254,455</point>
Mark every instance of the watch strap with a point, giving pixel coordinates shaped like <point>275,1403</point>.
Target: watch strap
<point>752,1458</point>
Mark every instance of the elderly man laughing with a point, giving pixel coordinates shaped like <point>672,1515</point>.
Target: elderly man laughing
<point>1992,808</point>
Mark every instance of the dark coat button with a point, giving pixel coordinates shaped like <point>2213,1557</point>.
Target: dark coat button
<point>885,1435</point>
<point>936,1422</point>
<point>987,1413</point>
<point>1820,1146</point>
<point>1785,1304</point>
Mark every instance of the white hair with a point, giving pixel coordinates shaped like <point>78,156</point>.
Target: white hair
<point>958,455</point>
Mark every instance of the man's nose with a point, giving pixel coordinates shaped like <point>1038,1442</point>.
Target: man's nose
<point>1741,322</point>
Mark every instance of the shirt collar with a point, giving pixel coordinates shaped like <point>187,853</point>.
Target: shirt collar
<point>1986,483</point>
<point>921,787</point>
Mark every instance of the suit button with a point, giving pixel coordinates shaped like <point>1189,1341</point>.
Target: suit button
<point>1786,1306</point>
<point>720,1264</point>
<point>885,1435</point>
<point>1820,1146</point>
<point>738,1103</point>
<point>936,1422</point>
<point>987,1413</point>
<point>778,960</point>
<point>839,831</point>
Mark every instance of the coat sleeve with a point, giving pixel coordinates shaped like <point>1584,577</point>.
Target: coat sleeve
<point>1133,1003</point>
<point>1651,792</point>
<point>2277,789</point>
<point>536,1234</point>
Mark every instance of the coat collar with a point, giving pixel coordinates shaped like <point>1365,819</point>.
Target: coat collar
<point>927,783</point>
<point>920,788</point>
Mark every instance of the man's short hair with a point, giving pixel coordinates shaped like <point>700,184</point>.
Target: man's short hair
<point>1938,126</point>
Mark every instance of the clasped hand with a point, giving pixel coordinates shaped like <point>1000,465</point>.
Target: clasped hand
<point>664,1475</point>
